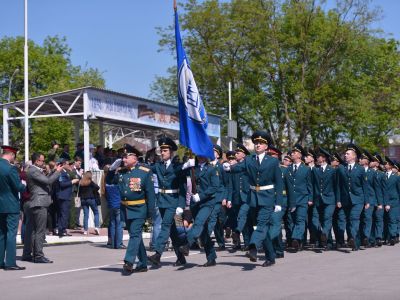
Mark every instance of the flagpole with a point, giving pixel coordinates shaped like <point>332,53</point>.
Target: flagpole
<point>26,94</point>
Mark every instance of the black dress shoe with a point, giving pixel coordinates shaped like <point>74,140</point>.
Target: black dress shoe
<point>179,263</point>
<point>139,270</point>
<point>221,248</point>
<point>365,242</point>
<point>42,260</point>
<point>245,248</point>
<point>184,249</point>
<point>379,242</point>
<point>280,255</point>
<point>351,243</point>
<point>155,258</point>
<point>127,269</point>
<point>392,242</point>
<point>295,245</point>
<point>268,263</point>
<point>252,254</point>
<point>14,268</point>
<point>209,263</point>
<point>29,258</point>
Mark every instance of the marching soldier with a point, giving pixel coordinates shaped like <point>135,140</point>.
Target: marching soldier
<point>275,230</point>
<point>391,199</point>
<point>353,196</point>
<point>377,217</point>
<point>201,205</point>
<point>266,188</point>
<point>326,195</point>
<point>373,193</point>
<point>170,201</point>
<point>218,215</point>
<point>240,191</point>
<point>312,221</point>
<point>138,203</point>
<point>299,195</point>
<point>232,209</point>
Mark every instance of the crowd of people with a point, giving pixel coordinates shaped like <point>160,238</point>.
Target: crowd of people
<point>265,201</point>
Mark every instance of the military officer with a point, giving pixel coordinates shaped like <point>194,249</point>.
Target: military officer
<point>312,221</point>
<point>138,203</point>
<point>326,195</point>
<point>265,197</point>
<point>231,221</point>
<point>300,195</point>
<point>201,205</point>
<point>391,199</point>
<point>377,216</point>
<point>218,215</point>
<point>10,186</point>
<point>171,199</point>
<point>275,230</point>
<point>353,194</point>
<point>373,193</point>
<point>240,191</point>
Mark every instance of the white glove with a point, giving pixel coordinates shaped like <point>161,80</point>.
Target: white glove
<point>116,164</point>
<point>277,208</point>
<point>226,166</point>
<point>190,163</point>
<point>23,182</point>
<point>179,211</point>
<point>229,204</point>
<point>292,209</point>
<point>195,198</point>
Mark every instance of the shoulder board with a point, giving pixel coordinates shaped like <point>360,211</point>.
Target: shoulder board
<point>144,169</point>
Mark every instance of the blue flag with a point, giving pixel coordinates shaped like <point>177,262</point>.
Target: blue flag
<point>192,114</point>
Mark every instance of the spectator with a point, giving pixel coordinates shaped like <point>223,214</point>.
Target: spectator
<point>64,194</point>
<point>52,154</point>
<point>65,153</point>
<point>36,209</point>
<point>100,157</point>
<point>87,190</point>
<point>76,172</point>
<point>111,191</point>
<point>93,163</point>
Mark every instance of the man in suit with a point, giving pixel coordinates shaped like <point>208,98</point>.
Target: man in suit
<point>353,194</point>
<point>265,197</point>
<point>326,195</point>
<point>201,205</point>
<point>64,188</point>
<point>36,209</point>
<point>170,201</point>
<point>10,186</point>
<point>391,199</point>
<point>300,195</point>
<point>138,203</point>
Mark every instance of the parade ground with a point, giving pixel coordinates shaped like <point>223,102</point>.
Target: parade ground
<point>92,271</point>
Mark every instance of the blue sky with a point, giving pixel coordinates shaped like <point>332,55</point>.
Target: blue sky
<point>119,37</point>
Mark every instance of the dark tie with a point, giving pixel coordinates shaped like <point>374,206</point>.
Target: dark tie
<point>323,169</point>
<point>387,175</point>
<point>258,160</point>
<point>295,168</point>
<point>349,168</point>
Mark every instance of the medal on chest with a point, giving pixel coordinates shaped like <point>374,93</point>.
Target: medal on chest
<point>134,184</point>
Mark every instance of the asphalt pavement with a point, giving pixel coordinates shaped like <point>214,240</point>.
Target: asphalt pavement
<point>92,271</point>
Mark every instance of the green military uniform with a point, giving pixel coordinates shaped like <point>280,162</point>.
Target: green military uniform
<point>10,185</point>
<point>138,203</point>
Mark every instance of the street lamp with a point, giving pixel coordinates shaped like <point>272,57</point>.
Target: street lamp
<point>10,84</point>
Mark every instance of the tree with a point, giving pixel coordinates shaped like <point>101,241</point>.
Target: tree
<point>304,73</point>
<point>50,71</point>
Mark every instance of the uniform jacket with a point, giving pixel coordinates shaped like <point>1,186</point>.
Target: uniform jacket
<point>136,184</point>
<point>353,185</point>
<point>325,186</point>
<point>267,173</point>
<point>299,185</point>
<point>391,190</point>
<point>10,186</point>
<point>224,189</point>
<point>207,184</point>
<point>240,185</point>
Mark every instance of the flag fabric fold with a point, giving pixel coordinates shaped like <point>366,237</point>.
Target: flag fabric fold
<point>193,119</point>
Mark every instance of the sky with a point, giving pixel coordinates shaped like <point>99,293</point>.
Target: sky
<point>119,37</point>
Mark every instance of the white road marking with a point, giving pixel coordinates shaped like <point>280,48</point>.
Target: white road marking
<point>90,268</point>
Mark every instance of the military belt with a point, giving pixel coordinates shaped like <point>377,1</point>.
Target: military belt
<point>133,202</point>
<point>261,187</point>
<point>162,191</point>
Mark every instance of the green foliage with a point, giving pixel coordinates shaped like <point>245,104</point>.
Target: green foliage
<point>304,73</point>
<point>50,71</point>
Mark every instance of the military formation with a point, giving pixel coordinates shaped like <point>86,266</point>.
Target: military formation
<point>268,202</point>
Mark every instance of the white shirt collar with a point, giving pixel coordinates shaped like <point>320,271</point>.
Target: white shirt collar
<point>297,165</point>
<point>352,165</point>
<point>167,163</point>
<point>323,166</point>
<point>261,156</point>
<point>366,168</point>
